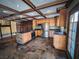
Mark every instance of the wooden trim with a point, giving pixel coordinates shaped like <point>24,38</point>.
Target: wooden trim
<point>51,4</point>
<point>5,25</point>
<point>0,31</point>
<point>46,5</point>
<point>77,39</point>
<point>68,3</point>
<point>8,8</point>
<point>68,55</point>
<point>75,9</point>
<point>13,10</point>
<point>10,29</point>
<point>68,18</point>
<point>33,7</point>
<point>55,18</point>
<point>46,14</point>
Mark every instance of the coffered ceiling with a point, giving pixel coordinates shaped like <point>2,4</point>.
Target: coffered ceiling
<point>23,10</point>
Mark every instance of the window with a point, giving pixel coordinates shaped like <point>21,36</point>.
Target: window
<point>72,33</point>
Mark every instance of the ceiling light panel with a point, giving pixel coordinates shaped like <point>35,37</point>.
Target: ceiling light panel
<point>30,18</point>
<point>50,10</point>
<point>3,14</point>
<point>39,17</point>
<point>32,13</point>
<point>18,5</point>
<point>21,16</point>
<point>2,10</point>
<point>41,2</point>
<point>52,15</point>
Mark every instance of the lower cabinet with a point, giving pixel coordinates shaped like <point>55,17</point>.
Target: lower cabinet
<point>23,38</point>
<point>38,33</point>
<point>59,42</point>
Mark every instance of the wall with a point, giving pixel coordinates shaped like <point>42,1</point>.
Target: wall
<point>6,30</point>
<point>13,26</point>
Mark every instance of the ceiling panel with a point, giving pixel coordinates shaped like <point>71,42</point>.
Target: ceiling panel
<point>32,13</point>
<point>2,10</point>
<point>30,18</point>
<point>5,12</point>
<point>24,20</point>
<point>18,21</point>
<point>3,15</point>
<point>41,2</point>
<point>16,17</point>
<point>39,17</point>
<point>53,15</point>
<point>20,16</point>
<point>48,10</point>
<point>51,9</point>
<point>18,5</point>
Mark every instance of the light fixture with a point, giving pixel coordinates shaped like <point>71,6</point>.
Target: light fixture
<point>20,16</point>
<point>4,11</point>
<point>7,12</point>
<point>49,11</point>
<point>18,6</point>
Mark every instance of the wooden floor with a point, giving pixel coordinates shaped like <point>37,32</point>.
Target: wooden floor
<point>39,48</point>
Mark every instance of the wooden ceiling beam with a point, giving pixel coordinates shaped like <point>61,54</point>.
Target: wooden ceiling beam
<point>46,5</point>
<point>19,17</point>
<point>68,3</point>
<point>52,4</point>
<point>36,8</point>
<point>46,14</point>
<point>15,12</point>
<point>33,7</point>
<point>7,8</point>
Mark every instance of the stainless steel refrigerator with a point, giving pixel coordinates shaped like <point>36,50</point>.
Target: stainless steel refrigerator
<point>45,30</point>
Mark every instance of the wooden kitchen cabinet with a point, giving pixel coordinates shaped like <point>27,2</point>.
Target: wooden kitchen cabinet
<point>59,42</point>
<point>38,33</point>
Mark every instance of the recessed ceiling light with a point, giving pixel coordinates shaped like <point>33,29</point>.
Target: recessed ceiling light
<point>18,6</point>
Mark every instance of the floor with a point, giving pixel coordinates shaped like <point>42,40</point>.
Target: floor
<point>39,48</point>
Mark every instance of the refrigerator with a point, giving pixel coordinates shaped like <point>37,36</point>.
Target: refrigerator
<point>45,30</point>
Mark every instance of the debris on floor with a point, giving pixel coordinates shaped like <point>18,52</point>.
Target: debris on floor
<point>36,49</point>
